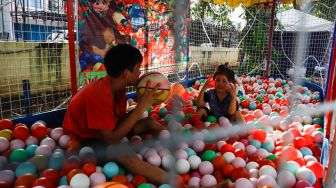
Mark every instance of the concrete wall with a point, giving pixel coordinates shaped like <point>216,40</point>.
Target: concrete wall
<point>45,65</point>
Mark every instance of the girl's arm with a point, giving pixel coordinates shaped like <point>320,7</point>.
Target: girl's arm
<point>200,99</point>
<point>233,104</point>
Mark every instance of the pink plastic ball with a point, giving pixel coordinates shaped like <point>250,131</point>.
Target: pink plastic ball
<point>181,154</point>
<point>43,150</point>
<point>97,178</point>
<point>239,145</point>
<point>4,144</point>
<point>64,140</point>
<point>31,140</point>
<point>208,180</point>
<point>56,133</point>
<point>254,173</point>
<point>238,162</point>
<point>250,150</point>
<point>149,153</point>
<point>262,153</point>
<point>198,145</point>
<point>245,142</point>
<point>251,165</point>
<point>286,179</point>
<point>287,137</point>
<point>48,142</point>
<point>206,167</point>
<point>318,137</point>
<point>258,113</point>
<point>154,160</point>
<point>164,134</point>
<point>16,144</point>
<point>223,121</point>
<point>284,124</point>
<point>194,181</point>
<point>268,170</point>
<point>266,180</point>
<point>163,152</point>
<point>267,110</point>
<point>243,182</point>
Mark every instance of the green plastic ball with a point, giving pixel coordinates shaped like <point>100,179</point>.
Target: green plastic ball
<point>144,185</point>
<point>212,119</point>
<point>208,155</point>
<point>18,155</point>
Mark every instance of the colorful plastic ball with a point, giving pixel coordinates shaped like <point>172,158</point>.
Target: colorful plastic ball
<point>110,185</point>
<point>63,141</point>
<point>218,162</point>
<point>229,156</point>
<point>63,181</point>
<point>208,155</point>
<point>80,181</point>
<point>250,150</point>
<point>194,161</point>
<point>243,182</point>
<point>39,130</point>
<point>268,145</point>
<point>266,181</point>
<point>7,134</point>
<point>316,167</point>
<point>286,179</point>
<point>56,133</point>
<point>31,140</point>
<point>198,145</point>
<point>6,124</point>
<point>194,181</point>
<point>7,176</point>
<point>144,185</point>
<point>40,161</point>
<point>252,106</point>
<point>190,152</point>
<point>31,150</point>
<point>268,170</point>
<point>239,173</point>
<point>21,132</point>
<point>251,165</point>
<point>56,160</point>
<point>227,148</point>
<point>290,166</point>
<point>25,168</point>
<point>167,161</point>
<point>318,137</point>
<point>180,154</point>
<point>97,178</point>
<point>302,184</point>
<point>306,174</point>
<point>182,166</point>
<point>18,155</point>
<point>289,153</point>
<point>43,150</point>
<point>254,173</point>
<point>262,153</point>
<point>44,182</point>
<point>16,144</point>
<point>206,168</point>
<point>154,160</point>
<point>110,169</point>
<point>208,180</point>
<point>25,180</point>
<point>52,175</point>
<point>238,162</point>
<point>255,143</point>
<point>89,168</point>
<point>4,144</point>
<point>48,142</point>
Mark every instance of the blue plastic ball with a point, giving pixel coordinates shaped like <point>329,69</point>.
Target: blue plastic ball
<point>31,150</point>
<point>255,143</point>
<point>165,186</point>
<point>63,181</point>
<point>162,112</point>
<point>110,169</point>
<point>306,151</point>
<point>290,166</point>
<point>190,152</point>
<point>252,106</point>
<point>268,145</point>
<point>25,168</point>
<point>56,160</point>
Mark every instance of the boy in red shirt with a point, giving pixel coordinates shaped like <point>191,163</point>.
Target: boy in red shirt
<point>98,112</point>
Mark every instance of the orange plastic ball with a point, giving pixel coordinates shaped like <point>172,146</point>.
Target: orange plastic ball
<point>227,148</point>
<point>240,173</point>
<point>177,89</point>
<point>89,168</point>
<point>25,180</point>
<point>249,118</point>
<point>227,170</point>
<point>300,142</point>
<point>316,167</point>
<point>39,131</point>
<point>259,135</point>
<point>289,153</point>
<point>111,185</point>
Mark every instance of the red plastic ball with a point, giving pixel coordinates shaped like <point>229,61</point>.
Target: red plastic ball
<point>316,167</point>
<point>245,103</point>
<point>25,180</point>
<point>6,124</point>
<point>255,158</point>
<point>300,161</point>
<point>259,135</point>
<point>227,170</point>
<point>289,153</point>
<point>316,150</point>
<point>89,168</point>
<point>51,174</point>
<point>210,146</point>
<point>227,148</point>
<point>185,178</point>
<point>218,174</point>
<point>240,173</point>
<point>295,132</point>
<point>249,118</point>
<point>39,131</point>
<point>264,162</point>
<point>300,142</point>
<point>240,153</point>
<point>218,162</point>
<point>21,132</point>
<point>194,119</point>
<point>120,179</point>
<point>137,180</point>
<point>309,139</point>
<point>43,181</point>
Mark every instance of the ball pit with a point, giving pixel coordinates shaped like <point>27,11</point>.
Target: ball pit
<point>281,147</point>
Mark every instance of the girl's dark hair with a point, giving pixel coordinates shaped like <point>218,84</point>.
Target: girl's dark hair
<point>223,69</point>
<point>121,57</point>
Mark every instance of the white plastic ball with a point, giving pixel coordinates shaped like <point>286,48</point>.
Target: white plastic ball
<point>206,167</point>
<point>182,166</point>
<point>268,170</point>
<point>243,182</point>
<point>286,179</point>
<point>194,161</point>
<point>80,181</point>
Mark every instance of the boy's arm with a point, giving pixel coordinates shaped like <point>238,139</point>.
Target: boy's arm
<point>123,128</point>
<point>200,99</point>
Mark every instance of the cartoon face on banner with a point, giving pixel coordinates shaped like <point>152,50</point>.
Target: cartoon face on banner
<point>146,25</point>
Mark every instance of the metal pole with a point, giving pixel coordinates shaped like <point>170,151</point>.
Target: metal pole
<point>26,96</point>
<point>72,54</point>
<point>270,39</point>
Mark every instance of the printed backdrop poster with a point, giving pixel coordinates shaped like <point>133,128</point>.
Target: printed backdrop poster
<point>152,26</point>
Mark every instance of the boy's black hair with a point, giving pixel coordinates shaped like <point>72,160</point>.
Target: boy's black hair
<point>121,57</point>
<point>225,70</point>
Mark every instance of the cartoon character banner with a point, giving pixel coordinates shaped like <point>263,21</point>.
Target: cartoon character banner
<point>150,25</point>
